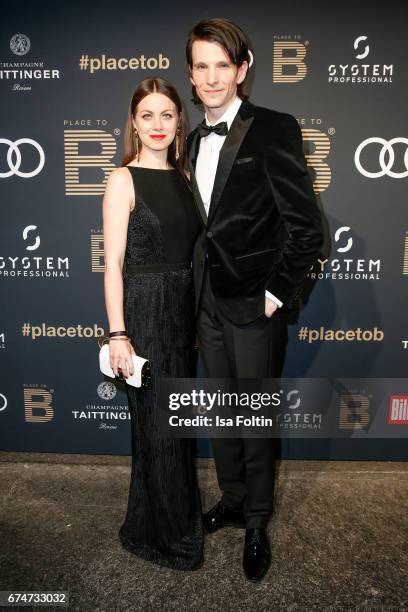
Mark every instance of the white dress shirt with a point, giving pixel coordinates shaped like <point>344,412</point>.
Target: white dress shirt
<point>207,162</point>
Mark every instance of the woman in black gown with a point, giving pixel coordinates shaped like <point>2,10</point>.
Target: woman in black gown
<point>150,226</point>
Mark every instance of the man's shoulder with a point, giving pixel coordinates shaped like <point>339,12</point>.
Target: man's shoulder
<point>273,118</point>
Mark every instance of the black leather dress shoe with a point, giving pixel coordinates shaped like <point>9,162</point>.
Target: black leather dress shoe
<point>257,554</point>
<point>220,516</point>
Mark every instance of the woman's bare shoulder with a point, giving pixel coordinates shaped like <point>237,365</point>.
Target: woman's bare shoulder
<point>120,175</point>
<point>120,181</point>
<point>119,188</point>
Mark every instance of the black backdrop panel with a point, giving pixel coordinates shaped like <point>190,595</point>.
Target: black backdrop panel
<point>67,71</point>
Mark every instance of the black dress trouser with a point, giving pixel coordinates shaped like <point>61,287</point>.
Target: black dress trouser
<point>245,466</point>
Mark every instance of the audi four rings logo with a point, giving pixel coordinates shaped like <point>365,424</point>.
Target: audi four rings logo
<point>3,402</point>
<point>14,151</point>
<point>387,147</point>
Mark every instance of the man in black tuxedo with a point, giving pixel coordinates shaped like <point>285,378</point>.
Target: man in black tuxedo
<point>262,231</point>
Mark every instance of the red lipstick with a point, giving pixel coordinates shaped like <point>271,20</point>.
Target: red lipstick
<point>157,136</point>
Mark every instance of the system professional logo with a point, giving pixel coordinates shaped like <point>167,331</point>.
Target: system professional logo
<point>360,72</point>
<point>294,416</point>
<point>33,266</point>
<point>289,54</point>
<point>384,159</point>
<point>21,74</point>
<point>345,267</point>
<point>14,157</point>
<point>398,410</point>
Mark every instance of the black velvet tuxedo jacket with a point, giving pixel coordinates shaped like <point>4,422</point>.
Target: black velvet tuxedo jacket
<point>264,227</point>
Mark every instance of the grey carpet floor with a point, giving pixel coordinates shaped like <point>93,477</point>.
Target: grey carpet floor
<point>339,538</point>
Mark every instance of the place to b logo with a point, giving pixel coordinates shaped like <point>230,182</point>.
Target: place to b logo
<point>288,61</point>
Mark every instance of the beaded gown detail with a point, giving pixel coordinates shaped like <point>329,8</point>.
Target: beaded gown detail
<point>163,521</point>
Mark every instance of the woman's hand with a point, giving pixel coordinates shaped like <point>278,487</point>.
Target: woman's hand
<point>120,355</point>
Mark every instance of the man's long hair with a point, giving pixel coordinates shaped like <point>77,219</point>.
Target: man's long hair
<point>227,34</point>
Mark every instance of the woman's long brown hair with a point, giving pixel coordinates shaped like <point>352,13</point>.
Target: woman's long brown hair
<point>145,88</point>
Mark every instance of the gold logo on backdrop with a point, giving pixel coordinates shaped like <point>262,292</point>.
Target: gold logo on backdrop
<point>282,60</point>
<point>405,266</point>
<point>354,412</point>
<point>316,159</point>
<point>37,405</point>
<point>75,161</point>
<point>97,252</point>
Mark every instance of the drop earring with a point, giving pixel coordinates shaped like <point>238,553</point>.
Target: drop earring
<point>177,144</point>
<point>137,145</point>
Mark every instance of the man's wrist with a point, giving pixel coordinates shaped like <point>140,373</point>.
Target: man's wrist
<point>272,297</point>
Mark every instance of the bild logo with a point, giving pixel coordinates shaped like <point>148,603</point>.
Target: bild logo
<point>14,157</point>
<point>385,159</point>
<point>398,410</point>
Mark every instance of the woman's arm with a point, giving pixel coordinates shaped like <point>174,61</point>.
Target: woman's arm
<point>116,206</point>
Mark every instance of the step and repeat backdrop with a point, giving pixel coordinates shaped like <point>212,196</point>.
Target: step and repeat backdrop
<point>66,75</point>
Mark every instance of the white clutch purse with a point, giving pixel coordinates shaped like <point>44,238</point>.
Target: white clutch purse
<point>140,376</point>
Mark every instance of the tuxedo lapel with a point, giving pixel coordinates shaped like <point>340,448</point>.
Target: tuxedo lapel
<point>197,195</point>
<point>192,158</point>
<point>194,148</point>
<point>228,153</point>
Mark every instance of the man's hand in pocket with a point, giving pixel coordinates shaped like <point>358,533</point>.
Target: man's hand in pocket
<point>270,307</point>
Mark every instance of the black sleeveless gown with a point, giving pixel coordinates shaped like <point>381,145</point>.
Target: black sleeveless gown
<point>163,522</point>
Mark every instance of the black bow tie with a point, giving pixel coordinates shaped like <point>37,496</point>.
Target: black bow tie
<point>220,128</point>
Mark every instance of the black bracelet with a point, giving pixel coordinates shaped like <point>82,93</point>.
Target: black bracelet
<point>117,333</point>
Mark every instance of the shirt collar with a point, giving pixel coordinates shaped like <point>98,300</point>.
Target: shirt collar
<point>229,114</point>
